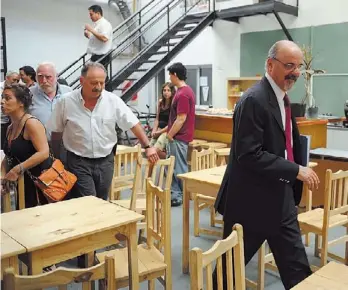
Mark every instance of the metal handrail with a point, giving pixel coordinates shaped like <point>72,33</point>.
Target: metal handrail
<point>128,38</point>
<point>82,57</point>
<point>158,17</point>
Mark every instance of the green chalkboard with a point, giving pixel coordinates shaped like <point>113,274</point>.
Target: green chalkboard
<point>330,47</point>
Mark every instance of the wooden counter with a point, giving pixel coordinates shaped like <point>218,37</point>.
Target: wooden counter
<point>219,129</point>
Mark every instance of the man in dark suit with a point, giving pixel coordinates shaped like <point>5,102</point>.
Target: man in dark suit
<point>263,180</point>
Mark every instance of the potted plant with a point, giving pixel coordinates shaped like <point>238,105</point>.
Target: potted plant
<point>308,72</point>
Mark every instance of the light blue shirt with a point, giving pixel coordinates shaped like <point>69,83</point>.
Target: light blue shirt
<point>43,106</point>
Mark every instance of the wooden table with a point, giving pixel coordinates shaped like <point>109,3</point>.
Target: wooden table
<point>64,230</point>
<point>10,250</point>
<point>205,182</point>
<point>332,276</point>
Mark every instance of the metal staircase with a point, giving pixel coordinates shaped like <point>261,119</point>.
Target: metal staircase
<point>173,25</point>
<point>3,49</point>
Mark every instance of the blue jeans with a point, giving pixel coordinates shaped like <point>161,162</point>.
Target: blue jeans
<point>178,149</point>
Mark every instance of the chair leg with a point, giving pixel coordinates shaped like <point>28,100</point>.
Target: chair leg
<point>346,257</point>
<point>212,216</point>
<point>261,267</point>
<point>324,249</point>
<point>151,285</point>
<point>316,245</point>
<point>196,216</point>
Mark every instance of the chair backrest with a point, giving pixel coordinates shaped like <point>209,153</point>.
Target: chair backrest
<point>202,159</point>
<point>162,172</point>
<point>159,219</point>
<point>336,194</point>
<point>126,158</point>
<point>235,273</point>
<point>63,276</point>
<point>221,156</point>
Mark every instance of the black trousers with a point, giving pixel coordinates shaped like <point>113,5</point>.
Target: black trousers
<point>105,61</point>
<point>286,245</point>
<point>94,176</point>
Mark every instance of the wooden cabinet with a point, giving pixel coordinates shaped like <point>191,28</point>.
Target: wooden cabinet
<point>236,87</point>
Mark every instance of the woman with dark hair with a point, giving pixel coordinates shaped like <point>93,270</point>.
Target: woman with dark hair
<point>159,131</point>
<point>26,147</point>
<point>28,75</point>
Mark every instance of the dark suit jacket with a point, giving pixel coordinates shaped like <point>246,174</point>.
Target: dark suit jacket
<point>257,176</point>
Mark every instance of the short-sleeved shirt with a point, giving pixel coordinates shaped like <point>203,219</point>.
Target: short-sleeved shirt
<point>86,133</point>
<point>96,46</point>
<point>183,103</point>
<point>43,106</point>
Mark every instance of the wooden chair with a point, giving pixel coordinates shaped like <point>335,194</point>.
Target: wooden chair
<point>235,275</point>
<point>124,179</point>
<point>221,156</point>
<point>138,198</point>
<point>7,206</point>
<point>203,160</point>
<point>194,144</point>
<point>154,256</point>
<point>335,214</point>
<point>63,276</point>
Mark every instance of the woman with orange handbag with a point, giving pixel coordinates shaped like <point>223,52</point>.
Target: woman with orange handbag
<point>26,147</point>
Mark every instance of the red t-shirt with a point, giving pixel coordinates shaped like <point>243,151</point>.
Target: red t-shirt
<point>183,103</point>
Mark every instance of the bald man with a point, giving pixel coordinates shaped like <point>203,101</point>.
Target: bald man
<point>263,181</point>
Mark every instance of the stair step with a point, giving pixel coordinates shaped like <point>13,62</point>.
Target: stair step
<point>191,21</point>
<point>176,36</point>
<point>156,52</point>
<point>184,29</point>
<point>141,69</point>
<point>149,61</point>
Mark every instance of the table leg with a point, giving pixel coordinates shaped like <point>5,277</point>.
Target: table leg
<point>186,229</point>
<point>133,257</point>
<point>35,264</point>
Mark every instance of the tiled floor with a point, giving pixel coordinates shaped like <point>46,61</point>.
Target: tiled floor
<point>181,281</point>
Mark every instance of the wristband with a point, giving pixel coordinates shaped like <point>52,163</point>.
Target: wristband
<point>147,147</point>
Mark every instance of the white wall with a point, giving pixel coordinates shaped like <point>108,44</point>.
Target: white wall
<point>226,60</point>
<point>47,30</point>
<point>311,13</point>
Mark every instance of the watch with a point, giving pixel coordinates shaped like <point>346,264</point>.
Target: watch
<point>147,147</point>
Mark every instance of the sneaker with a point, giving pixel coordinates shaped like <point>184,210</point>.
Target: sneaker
<point>176,202</point>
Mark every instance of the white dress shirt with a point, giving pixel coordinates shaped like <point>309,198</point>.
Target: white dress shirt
<point>96,46</point>
<point>88,133</point>
<point>280,98</point>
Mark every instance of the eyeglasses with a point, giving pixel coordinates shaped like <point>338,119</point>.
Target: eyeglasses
<point>290,66</point>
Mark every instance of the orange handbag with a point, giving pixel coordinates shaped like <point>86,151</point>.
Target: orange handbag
<point>55,182</point>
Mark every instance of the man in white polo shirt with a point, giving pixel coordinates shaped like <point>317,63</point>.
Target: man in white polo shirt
<point>86,119</point>
<point>99,35</point>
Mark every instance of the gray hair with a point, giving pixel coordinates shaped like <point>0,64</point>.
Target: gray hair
<point>89,65</point>
<point>272,53</point>
<point>11,73</point>
<point>47,63</point>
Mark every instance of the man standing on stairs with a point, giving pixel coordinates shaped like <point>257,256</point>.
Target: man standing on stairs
<point>99,35</point>
<point>180,127</point>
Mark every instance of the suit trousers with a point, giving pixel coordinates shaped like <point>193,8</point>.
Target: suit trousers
<point>285,243</point>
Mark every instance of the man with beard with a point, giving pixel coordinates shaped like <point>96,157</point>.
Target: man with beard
<point>47,92</point>
<point>263,180</point>
<point>86,119</point>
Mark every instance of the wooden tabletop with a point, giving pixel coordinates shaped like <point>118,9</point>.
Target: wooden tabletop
<point>213,175</point>
<point>9,247</point>
<point>210,176</point>
<point>56,223</point>
<point>331,276</point>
